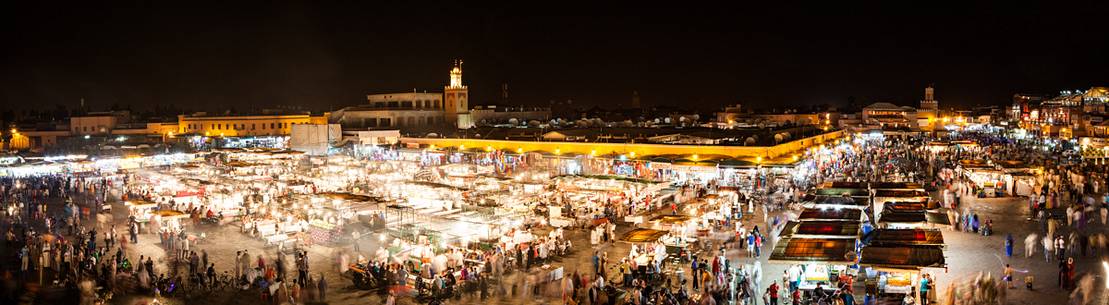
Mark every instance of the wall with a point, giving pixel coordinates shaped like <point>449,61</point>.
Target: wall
<point>491,116</point>
<point>238,126</point>
<point>19,141</point>
<point>456,101</point>
<point>92,125</point>
<point>361,118</point>
<point>406,100</point>
<point>38,140</point>
<point>374,137</point>
<point>314,139</point>
<point>781,150</point>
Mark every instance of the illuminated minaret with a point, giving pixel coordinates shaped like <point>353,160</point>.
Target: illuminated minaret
<point>929,102</point>
<point>456,99</point>
<point>456,75</point>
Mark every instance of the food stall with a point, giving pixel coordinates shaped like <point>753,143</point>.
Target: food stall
<point>141,211</point>
<point>883,196</point>
<point>821,229</point>
<point>895,259</point>
<point>903,215</point>
<point>896,186</point>
<point>830,214</point>
<point>836,201</point>
<point>818,260</point>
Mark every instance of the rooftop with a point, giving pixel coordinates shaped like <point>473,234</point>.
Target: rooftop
<point>903,257</point>
<point>813,250</point>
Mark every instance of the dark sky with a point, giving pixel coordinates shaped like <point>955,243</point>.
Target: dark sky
<point>205,56</point>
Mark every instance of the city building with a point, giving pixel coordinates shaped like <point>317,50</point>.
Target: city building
<point>456,98</point>
<point>203,124</point>
<point>929,102</point>
<point>886,115</point>
<point>929,111</point>
<point>116,127</point>
<point>429,112</point>
<point>733,117</point>
<point>1071,113</point>
<point>1023,104</point>
<point>491,115</point>
<point>98,123</point>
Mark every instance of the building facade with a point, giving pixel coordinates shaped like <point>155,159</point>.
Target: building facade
<point>456,97</point>
<point>413,110</point>
<point>886,115</point>
<point>202,124</point>
<point>493,115</point>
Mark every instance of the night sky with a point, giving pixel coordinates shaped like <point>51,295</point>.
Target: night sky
<point>209,57</point>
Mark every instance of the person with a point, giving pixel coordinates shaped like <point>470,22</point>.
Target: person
<point>924,282</point>
<point>392,299</point>
<point>1008,276</point>
<point>212,273</point>
<point>355,236</point>
<point>1061,279</point>
<point>908,299</point>
<point>1009,245</point>
<point>323,288</point>
<point>818,292</point>
<point>772,293</point>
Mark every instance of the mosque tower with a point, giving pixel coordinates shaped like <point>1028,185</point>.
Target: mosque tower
<point>456,99</point>
<point>929,102</point>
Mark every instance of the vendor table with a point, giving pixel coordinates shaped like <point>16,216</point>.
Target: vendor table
<point>644,259</point>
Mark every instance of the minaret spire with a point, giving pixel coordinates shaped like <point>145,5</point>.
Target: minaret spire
<point>456,74</point>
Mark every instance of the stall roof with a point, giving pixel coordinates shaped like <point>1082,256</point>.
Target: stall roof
<point>912,237</point>
<point>843,185</point>
<point>900,193</point>
<point>170,213</point>
<point>347,196</point>
<point>822,229</point>
<point>903,207</point>
<point>830,214</point>
<point>837,200</point>
<point>793,250</point>
<point>976,163</point>
<point>903,257</point>
<point>1012,164</point>
<point>842,191</point>
<point>903,217</point>
<point>938,218</point>
<point>139,203</point>
<point>643,235</point>
<point>896,186</point>
<point>670,218</point>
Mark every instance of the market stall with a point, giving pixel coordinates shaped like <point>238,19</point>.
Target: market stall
<point>897,257</point>
<point>815,260</point>
<point>883,196</point>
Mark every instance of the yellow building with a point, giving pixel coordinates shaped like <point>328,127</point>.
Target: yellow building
<point>633,150</point>
<point>17,140</point>
<point>243,125</point>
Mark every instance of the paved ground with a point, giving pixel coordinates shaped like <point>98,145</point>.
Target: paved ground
<point>967,255</point>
